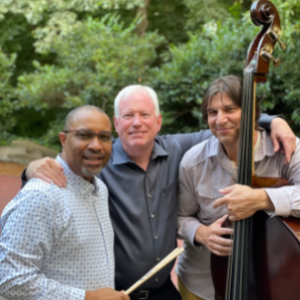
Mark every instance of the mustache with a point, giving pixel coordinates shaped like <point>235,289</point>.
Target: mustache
<point>91,152</point>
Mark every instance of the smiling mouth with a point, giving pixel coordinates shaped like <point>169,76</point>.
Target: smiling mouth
<point>136,133</point>
<point>93,160</point>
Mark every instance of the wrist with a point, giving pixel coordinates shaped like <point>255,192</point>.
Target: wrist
<point>200,234</point>
<point>264,202</point>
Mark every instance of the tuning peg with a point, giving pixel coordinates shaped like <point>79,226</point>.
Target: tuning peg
<point>274,33</point>
<point>266,53</point>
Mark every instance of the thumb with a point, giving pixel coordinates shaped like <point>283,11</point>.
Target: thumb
<point>222,220</point>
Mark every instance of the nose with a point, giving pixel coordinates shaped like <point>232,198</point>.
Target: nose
<point>95,144</point>
<point>221,118</point>
<point>136,120</point>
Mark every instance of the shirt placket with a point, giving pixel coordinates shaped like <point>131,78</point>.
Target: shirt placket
<point>150,198</point>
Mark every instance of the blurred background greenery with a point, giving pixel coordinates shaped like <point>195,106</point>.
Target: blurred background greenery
<point>58,54</point>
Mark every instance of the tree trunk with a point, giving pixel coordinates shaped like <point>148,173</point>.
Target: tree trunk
<point>142,14</point>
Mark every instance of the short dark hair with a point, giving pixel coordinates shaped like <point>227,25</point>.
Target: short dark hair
<point>232,86</point>
<point>70,116</point>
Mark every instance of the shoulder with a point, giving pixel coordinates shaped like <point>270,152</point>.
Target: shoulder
<point>37,196</point>
<point>200,153</point>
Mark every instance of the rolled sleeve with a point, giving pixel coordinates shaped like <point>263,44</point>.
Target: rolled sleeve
<point>28,234</point>
<point>286,200</point>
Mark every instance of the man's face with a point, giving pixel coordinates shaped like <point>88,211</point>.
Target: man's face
<point>224,118</point>
<point>85,156</point>
<point>137,124</point>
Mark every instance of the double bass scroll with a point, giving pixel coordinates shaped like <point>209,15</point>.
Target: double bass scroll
<point>265,263</point>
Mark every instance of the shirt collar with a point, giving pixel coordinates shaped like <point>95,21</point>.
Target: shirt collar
<point>265,148</point>
<point>78,183</point>
<point>120,157</point>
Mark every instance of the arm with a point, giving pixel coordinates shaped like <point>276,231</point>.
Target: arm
<point>190,228</point>
<point>280,133</point>
<point>46,169</point>
<point>27,237</point>
<point>243,201</point>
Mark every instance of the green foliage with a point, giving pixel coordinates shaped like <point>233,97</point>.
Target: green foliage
<point>218,49</point>
<point>59,54</point>
<point>93,62</point>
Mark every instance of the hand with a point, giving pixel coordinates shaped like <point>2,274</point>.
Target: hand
<point>105,294</point>
<point>211,237</point>
<point>48,170</point>
<point>243,201</point>
<point>282,133</point>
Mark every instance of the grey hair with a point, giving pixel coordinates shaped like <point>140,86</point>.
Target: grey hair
<point>128,90</point>
<point>70,116</point>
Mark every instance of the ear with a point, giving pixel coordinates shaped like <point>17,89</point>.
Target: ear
<point>159,122</point>
<point>116,123</point>
<point>62,137</point>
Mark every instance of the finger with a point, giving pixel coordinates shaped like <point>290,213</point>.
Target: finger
<point>57,175</point>
<point>48,177</point>
<point>221,220</point>
<point>275,142</point>
<point>227,190</point>
<point>287,149</point>
<point>44,178</point>
<point>219,202</point>
<point>220,251</point>
<point>222,231</point>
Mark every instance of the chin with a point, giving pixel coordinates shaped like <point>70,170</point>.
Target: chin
<point>91,171</point>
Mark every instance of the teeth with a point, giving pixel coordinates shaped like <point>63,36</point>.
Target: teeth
<point>93,158</point>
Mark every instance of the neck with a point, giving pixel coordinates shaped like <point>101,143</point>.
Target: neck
<point>140,156</point>
<point>64,157</point>
<point>232,149</point>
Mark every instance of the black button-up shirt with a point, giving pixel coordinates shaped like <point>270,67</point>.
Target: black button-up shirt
<point>143,207</point>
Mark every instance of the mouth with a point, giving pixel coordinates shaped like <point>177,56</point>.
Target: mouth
<point>93,159</point>
<point>223,130</point>
<point>136,133</point>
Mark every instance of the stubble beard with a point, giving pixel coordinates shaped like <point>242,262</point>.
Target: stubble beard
<point>91,172</point>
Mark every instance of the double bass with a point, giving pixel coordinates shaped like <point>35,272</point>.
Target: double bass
<point>265,261</point>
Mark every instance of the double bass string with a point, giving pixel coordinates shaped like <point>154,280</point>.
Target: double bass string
<point>238,262</point>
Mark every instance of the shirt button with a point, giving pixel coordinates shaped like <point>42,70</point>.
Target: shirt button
<point>149,195</point>
<point>156,237</point>
<point>158,259</point>
<point>152,216</point>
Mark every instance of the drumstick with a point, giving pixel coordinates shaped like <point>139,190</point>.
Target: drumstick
<point>155,269</point>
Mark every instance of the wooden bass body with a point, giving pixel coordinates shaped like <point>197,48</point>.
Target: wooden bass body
<point>274,258</point>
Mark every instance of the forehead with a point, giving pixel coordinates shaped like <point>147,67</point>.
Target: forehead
<point>92,120</point>
<point>220,99</point>
<point>137,99</point>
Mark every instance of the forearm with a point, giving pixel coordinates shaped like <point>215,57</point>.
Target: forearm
<point>285,200</point>
<point>187,227</point>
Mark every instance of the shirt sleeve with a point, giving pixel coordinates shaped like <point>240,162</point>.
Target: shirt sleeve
<point>188,206</point>
<point>286,200</point>
<point>265,121</point>
<point>28,235</point>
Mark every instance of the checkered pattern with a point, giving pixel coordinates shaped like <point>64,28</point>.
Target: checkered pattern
<point>56,243</point>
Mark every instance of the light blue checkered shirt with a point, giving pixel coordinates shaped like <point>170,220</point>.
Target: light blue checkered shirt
<point>56,243</point>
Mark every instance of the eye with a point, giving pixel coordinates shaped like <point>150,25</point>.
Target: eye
<point>126,116</point>
<point>84,135</point>
<point>105,137</point>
